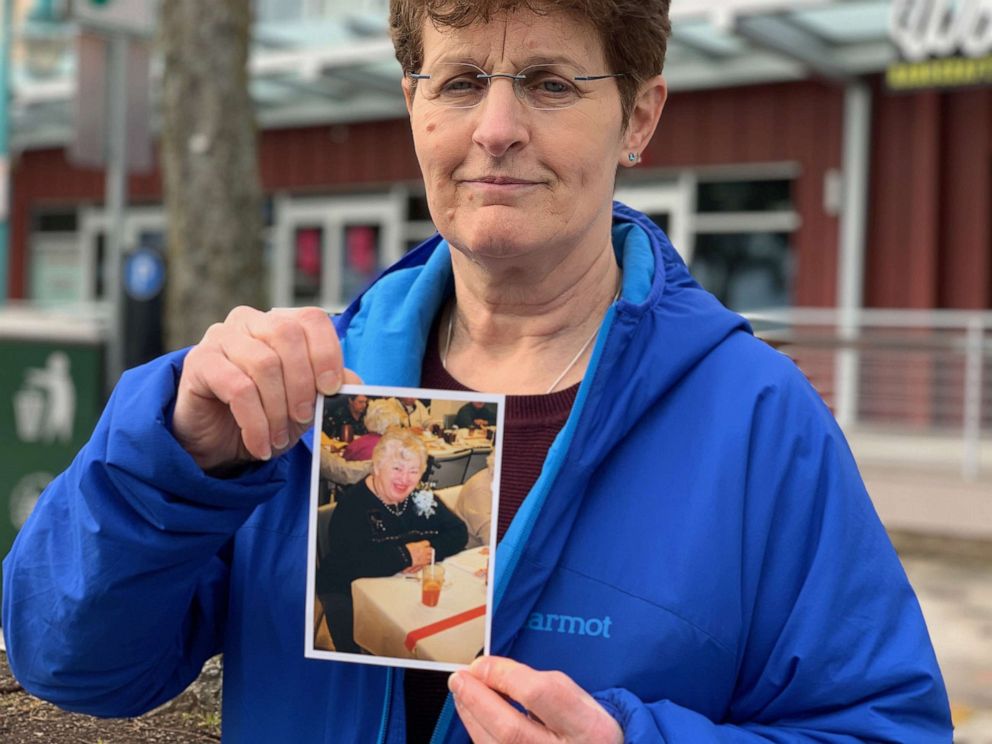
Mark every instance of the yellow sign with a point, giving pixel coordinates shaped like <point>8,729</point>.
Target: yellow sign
<point>950,72</point>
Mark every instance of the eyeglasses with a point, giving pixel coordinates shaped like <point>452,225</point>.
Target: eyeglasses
<point>542,87</point>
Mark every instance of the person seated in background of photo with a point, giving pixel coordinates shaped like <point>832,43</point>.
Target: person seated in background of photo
<point>475,504</point>
<point>381,414</point>
<point>380,527</point>
<point>418,417</point>
<point>342,411</point>
<point>475,415</point>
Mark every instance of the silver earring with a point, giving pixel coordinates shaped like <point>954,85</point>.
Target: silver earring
<point>633,157</point>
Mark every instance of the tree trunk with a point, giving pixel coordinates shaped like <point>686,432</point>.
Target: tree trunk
<point>212,192</point>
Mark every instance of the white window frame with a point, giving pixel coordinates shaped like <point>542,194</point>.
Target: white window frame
<point>676,198</point>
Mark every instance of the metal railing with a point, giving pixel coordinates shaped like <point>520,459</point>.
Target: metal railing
<point>906,372</point>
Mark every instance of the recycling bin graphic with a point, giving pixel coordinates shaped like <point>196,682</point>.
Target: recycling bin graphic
<point>51,395</point>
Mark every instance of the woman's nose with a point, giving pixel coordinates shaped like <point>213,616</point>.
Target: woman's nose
<point>502,119</point>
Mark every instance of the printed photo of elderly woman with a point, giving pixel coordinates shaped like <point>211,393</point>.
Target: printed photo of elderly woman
<point>401,569</point>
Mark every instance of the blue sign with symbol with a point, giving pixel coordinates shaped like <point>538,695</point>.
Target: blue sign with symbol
<point>144,274</point>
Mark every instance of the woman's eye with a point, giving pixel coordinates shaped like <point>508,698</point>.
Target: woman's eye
<point>460,85</point>
<point>549,88</point>
<point>554,85</point>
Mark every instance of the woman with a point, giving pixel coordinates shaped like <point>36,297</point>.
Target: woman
<point>474,415</point>
<point>378,530</point>
<point>695,556</point>
<point>381,415</point>
<point>418,417</point>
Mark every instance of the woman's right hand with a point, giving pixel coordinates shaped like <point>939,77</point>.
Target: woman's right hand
<point>420,554</point>
<point>248,389</point>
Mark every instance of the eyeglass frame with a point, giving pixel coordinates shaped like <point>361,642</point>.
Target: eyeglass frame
<point>514,78</point>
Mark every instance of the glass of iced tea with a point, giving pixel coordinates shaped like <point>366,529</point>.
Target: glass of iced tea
<point>431,579</point>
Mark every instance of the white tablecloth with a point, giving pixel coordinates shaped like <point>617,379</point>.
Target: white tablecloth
<point>388,609</point>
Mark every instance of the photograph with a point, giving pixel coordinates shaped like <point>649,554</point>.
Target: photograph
<point>402,529</point>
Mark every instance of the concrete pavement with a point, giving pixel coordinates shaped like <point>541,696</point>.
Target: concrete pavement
<point>941,524</point>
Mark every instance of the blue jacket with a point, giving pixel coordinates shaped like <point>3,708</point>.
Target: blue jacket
<point>699,551</point>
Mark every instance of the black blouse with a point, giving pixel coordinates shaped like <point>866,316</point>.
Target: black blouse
<point>368,539</point>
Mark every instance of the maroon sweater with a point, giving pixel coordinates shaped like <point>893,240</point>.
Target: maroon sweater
<point>530,424</point>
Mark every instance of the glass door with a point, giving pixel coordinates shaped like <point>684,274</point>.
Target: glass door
<point>143,226</point>
<point>328,251</point>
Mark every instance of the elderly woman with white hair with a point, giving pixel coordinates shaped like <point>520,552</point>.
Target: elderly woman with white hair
<point>380,528</point>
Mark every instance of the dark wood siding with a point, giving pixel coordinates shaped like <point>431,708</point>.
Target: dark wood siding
<point>930,224</point>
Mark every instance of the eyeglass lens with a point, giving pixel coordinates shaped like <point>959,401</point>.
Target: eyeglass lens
<point>461,85</point>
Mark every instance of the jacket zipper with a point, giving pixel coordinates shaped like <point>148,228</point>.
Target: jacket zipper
<point>447,712</point>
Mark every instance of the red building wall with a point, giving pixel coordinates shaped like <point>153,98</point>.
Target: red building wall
<point>930,214</point>
<point>930,224</point>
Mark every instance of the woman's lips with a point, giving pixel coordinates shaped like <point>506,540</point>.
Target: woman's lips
<point>504,181</point>
<point>500,185</point>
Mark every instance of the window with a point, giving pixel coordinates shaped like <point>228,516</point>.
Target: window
<point>360,258</point>
<point>418,226</point>
<point>743,241</point>
<point>308,260</point>
<point>746,271</point>
<point>56,221</point>
<point>744,196</point>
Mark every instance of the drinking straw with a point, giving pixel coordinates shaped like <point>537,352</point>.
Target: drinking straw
<point>432,557</point>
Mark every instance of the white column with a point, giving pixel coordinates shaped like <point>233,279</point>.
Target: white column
<point>850,278</point>
<point>116,198</point>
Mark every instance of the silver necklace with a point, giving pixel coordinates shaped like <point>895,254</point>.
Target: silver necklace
<point>568,367</point>
<point>396,511</point>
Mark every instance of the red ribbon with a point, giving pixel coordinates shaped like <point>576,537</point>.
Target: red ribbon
<point>415,636</point>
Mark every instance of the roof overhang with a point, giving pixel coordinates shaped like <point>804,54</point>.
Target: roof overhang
<point>339,67</point>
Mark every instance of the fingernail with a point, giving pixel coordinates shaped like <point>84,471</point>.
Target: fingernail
<point>266,455</point>
<point>328,383</point>
<point>455,683</point>
<point>281,439</point>
<point>304,413</point>
<point>480,666</point>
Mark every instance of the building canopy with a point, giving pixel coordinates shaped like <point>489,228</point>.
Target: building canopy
<point>327,61</point>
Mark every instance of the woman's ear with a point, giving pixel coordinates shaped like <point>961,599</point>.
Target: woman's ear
<point>644,118</point>
<point>407,94</point>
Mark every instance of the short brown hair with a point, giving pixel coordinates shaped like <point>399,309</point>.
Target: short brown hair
<point>634,33</point>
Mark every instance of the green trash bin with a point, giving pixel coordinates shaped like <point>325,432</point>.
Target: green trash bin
<point>51,395</point>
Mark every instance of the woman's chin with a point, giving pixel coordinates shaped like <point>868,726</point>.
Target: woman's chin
<point>499,243</point>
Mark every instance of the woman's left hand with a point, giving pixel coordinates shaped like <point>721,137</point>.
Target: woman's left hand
<point>557,709</point>
<point>420,554</point>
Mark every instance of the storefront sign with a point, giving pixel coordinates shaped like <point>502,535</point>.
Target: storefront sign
<point>945,44</point>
